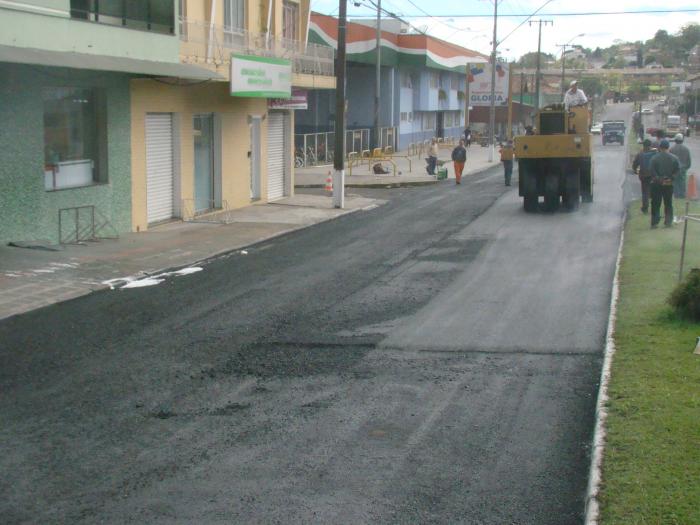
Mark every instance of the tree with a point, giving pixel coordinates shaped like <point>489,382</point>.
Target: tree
<point>591,86</point>
<point>529,60</point>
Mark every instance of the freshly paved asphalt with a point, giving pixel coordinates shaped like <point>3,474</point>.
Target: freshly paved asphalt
<point>435,359</point>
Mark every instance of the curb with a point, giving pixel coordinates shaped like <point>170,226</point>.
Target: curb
<point>222,253</point>
<point>592,507</point>
<point>231,249</point>
<point>388,184</point>
<point>393,184</point>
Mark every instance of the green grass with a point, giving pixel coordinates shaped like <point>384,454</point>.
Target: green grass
<point>651,465</point>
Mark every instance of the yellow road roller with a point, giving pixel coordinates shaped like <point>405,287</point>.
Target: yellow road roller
<point>555,161</point>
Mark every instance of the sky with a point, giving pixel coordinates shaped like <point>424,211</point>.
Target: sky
<point>476,32</point>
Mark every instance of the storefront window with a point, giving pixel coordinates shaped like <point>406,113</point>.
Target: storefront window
<point>74,138</point>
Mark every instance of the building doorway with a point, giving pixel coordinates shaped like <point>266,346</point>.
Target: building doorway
<point>204,163</point>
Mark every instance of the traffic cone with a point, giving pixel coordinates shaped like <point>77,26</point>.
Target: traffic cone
<point>692,193</point>
<point>329,183</point>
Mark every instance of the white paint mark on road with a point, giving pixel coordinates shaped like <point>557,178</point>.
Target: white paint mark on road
<point>244,252</point>
<point>186,271</point>
<point>151,280</point>
<point>148,281</point>
<point>370,207</point>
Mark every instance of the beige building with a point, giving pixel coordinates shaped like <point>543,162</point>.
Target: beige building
<point>203,146</point>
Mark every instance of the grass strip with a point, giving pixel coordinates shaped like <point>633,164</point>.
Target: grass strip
<point>651,465</point>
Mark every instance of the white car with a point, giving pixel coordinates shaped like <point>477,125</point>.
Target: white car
<point>647,111</point>
<point>597,128</point>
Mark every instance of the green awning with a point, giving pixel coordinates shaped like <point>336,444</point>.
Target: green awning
<point>41,57</point>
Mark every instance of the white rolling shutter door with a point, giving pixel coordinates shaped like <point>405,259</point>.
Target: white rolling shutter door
<point>159,166</point>
<point>276,151</point>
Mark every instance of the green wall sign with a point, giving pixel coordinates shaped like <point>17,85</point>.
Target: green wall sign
<point>260,77</point>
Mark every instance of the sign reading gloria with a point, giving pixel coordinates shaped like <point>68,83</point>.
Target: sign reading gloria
<point>480,85</point>
<point>261,77</point>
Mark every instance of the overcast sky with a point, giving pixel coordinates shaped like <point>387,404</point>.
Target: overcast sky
<point>475,33</point>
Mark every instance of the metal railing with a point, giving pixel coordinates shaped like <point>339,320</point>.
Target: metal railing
<point>318,149</point>
<point>214,44</point>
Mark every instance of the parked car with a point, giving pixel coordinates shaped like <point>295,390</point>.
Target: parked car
<point>647,111</point>
<point>597,128</point>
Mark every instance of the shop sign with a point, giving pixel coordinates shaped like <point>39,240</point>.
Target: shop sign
<point>260,77</point>
<point>479,78</point>
<point>299,100</point>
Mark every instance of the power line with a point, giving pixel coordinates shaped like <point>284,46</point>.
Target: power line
<point>525,21</point>
<point>520,15</point>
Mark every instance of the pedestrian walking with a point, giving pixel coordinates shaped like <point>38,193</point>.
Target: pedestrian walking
<point>682,153</point>
<point>664,169</point>
<point>507,160</point>
<point>640,165</point>
<point>468,137</point>
<point>459,157</point>
<point>433,156</point>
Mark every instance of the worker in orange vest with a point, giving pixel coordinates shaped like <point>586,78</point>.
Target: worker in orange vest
<point>507,160</point>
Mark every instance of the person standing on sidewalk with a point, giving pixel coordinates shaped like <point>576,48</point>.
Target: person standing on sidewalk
<point>507,160</point>
<point>459,157</point>
<point>640,165</point>
<point>664,169</point>
<point>433,153</point>
<point>681,152</point>
<point>468,137</point>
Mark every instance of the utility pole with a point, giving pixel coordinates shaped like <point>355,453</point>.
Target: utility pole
<point>520,110</point>
<point>539,59</point>
<point>509,129</point>
<point>377,83</point>
<point>492,114</point>
<point>339,155</point>
<point>466,98</point>
<point>563,60</point>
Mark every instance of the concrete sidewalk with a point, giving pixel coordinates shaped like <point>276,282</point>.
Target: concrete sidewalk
<point>409,171</point>
<point>32,278</point>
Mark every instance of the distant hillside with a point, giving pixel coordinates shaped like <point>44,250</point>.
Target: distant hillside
<point>664,50</point>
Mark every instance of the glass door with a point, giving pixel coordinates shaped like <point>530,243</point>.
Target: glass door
<point>203,162</point>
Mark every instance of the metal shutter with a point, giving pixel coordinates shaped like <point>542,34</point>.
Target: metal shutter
<point>159,166</point>
<point>276,156</point>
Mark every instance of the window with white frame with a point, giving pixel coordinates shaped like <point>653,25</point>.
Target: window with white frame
<point>410,116</point>
<point>404,116</point>
<point>434,79</point>
<point>448,119</point>
<point>234,13</point>
<point>406,81</point>
<point>455,82</point>
<point>428,121</point>
<point>290,20</point>
<point>75,137</point>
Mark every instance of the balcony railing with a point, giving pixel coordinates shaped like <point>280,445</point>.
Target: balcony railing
<point>214,44</point>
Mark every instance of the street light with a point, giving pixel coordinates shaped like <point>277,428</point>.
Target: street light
<point>563,59</point>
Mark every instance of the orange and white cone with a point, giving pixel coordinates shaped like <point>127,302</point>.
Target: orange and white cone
<point>329,183</point>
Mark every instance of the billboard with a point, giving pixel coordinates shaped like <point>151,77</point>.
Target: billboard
<point>261,77</point>
<point>479,78</point>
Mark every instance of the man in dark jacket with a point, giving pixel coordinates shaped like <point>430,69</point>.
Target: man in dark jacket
<point>640,165</point>
<point>664,168</point>
<point>459,157</point>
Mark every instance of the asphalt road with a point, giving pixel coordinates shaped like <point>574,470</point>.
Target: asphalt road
<point>435,359</point>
